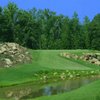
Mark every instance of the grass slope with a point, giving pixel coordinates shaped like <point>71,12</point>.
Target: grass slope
<point>42,60</point>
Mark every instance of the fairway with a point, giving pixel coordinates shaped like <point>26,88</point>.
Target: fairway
<point>52,59</point>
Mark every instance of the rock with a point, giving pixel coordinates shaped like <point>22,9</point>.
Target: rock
<point>93,60</point>
<point>86,57</point>
<point>12,53</point>
<point>64,54</point>
<point>97,63</point>
<point>98,57</point>
<point>68,56</point>
<point>9,94</point>
<point>2,50</point>
<point>76,57</point>
<point>8,61</point>
<point>81,57</point>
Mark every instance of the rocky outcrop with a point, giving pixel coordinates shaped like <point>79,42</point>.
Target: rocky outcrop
<point>90,57</point>
<point>69,55</point>
<point>12,53</point>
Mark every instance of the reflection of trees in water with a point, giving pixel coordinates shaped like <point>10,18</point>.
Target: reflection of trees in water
<point>36,91</point>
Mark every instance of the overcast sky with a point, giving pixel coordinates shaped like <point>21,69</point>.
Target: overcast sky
<point>65,7</point>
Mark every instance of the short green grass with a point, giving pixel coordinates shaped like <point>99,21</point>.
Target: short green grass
<point>52,59</point>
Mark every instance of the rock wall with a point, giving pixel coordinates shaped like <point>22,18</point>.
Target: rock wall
<point>12,53</point>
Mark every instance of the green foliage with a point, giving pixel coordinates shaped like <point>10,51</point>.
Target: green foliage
<point>95,32</point>
<point>44,29</point>
<point>85,31</point>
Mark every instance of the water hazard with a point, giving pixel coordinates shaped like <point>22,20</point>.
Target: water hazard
<point>32,90</point>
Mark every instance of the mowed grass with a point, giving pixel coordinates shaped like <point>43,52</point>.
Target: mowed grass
<point>42,60</point>
<point>51,59</point>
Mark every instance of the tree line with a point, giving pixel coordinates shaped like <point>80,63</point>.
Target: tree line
<point>44,29</point>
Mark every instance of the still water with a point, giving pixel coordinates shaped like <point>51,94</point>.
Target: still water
<point>33,90</point>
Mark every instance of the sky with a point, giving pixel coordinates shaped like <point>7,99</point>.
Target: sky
<point>66,7</point>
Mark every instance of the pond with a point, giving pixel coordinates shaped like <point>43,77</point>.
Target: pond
<point>33,90</point>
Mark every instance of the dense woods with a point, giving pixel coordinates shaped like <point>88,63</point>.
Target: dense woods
<point>44,29</point>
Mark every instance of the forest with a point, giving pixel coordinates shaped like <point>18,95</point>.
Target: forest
<point>44,29</point>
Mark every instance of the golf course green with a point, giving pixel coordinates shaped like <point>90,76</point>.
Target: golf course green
<point>50,60</point>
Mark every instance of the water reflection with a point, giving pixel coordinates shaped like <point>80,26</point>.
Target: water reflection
<point>61,87</point>
<point>37,90</point>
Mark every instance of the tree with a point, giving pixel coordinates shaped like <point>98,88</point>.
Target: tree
<point>75,31</point>
<point>1,23</point>
<point>95,32</point>
<point>86,33</point>
<point>65,34</point>
<point>10,18</point>
<point>44,29</point>
<point>28,30</point>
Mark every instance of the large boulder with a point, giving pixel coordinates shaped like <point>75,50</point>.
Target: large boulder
<point>12,53</point>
